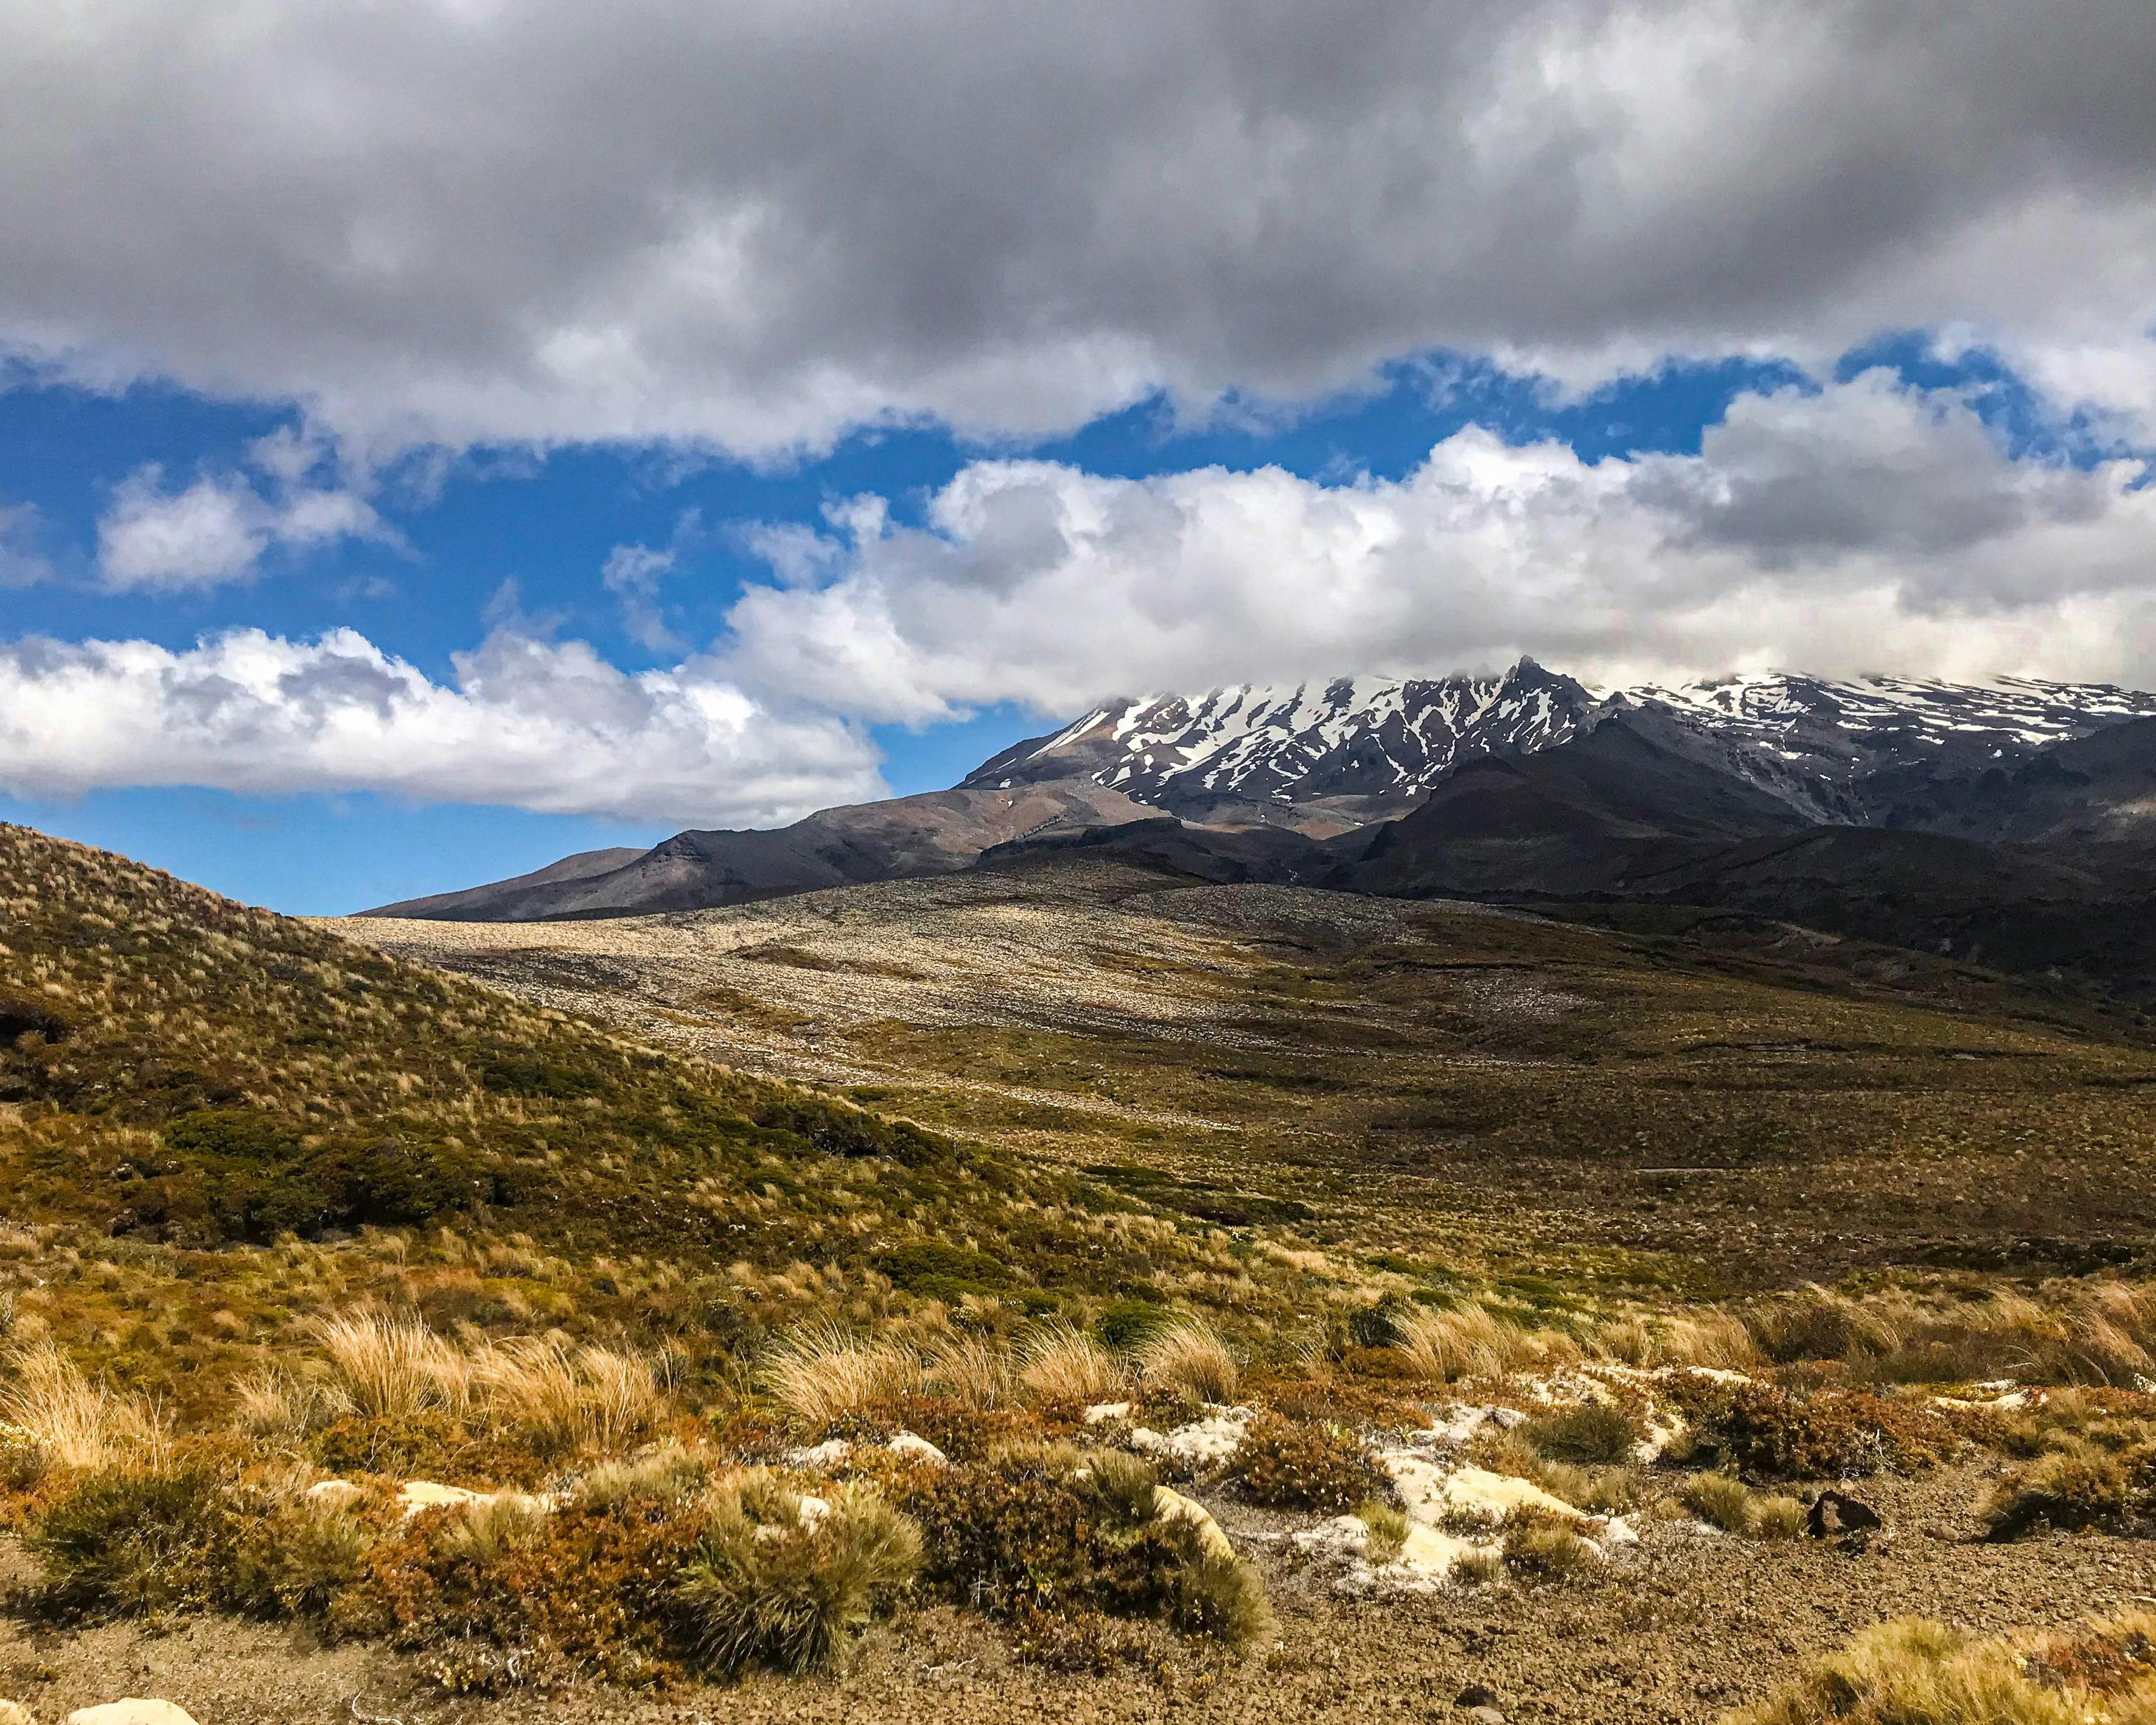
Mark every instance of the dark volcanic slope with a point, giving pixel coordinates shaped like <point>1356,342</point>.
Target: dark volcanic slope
<point>1585,817</point>
<point>906,837</point>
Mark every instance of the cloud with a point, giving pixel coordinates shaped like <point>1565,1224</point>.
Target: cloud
<point>218,528</point>
<point>1865,526</point>
<point>525,722</point>
<point>633,573</point>
<point>22,563</point>
<point>759,224</point>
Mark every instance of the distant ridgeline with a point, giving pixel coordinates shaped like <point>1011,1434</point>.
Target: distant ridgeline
<point>2008,822</point>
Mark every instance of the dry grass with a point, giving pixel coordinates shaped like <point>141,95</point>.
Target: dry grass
<point>1916,1672</point>
<point>70,1421</point>
<point>1189,1358</point>
<point>594,1398</point>
<point>392,1368</point>
<point>1060,1363</point>
<point>1472,1342</point>
<point>824,1373</point>
<point>2099,1334</point>
<point>1719,1340</point>
<point>973,1370</point>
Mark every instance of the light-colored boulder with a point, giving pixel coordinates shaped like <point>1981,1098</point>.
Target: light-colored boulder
<point>1427,1557</point>
<point>334,1494</point>
<point>132,1711</point>
<point>1210,1442</point>
<point>425,1494</point>
<point>1477,1492</point>
<point>821,1457</point>
<point>14,1713</point>
<point>1102,1412</point>
<point>1171,1505</point>
<point>419,1494</point>
<point>913,1444</point>
<point>813,1512</point>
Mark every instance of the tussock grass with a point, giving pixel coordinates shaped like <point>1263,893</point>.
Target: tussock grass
<point>71,1422</point>
<point>392,1368</point>
<point>1718,1340</point>
<point>1916,1672</point>
<point>971,1369</point>
<point>1189,1358</point>
<point>1723,1501</point>
<point>1060,1363</point>
<point>591,1397</point>
<point>1471,1342</point>
<point>771,1586</point>
<point>823,1373</point>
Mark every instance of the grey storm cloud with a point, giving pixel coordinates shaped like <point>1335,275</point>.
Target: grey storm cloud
<point>757,223</point>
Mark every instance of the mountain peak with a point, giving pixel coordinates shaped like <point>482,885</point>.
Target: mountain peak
<point>1350,749</point>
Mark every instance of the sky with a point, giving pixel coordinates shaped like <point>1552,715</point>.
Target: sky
<point>439,436</point>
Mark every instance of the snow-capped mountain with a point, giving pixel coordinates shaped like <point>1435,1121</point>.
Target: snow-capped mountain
<point>1359,748</point>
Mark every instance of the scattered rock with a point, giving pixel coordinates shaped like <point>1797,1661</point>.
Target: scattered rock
<point>907,1443</point>
<point>813,1512</point>
<point>1834,1513</point>
<point>1208,1442</point>
<point>337,1494</point>
<point>822,1456</point>
<point>425,1494</point>
<point>1174,1506</point>
<point>132,1711</point>
<point>1101,1412</point>
<point>1474,1696</point>
<point>14,1713</point>
<point>419,1495</point>
<point>1486,1716</point>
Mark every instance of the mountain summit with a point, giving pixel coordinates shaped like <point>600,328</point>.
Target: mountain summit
<point>1256,777</point>
<point>1356,749</point>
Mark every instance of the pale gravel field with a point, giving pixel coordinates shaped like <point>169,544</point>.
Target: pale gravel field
<point>1083,946</point>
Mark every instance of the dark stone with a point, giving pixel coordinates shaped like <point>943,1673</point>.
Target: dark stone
<point>1835,1513</point>
<point>1474,1696</point>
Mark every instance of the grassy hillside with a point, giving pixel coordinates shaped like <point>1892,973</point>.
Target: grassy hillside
<point>1708,1105</point>
<point>1151,1273</point>
<point>189,1082</point>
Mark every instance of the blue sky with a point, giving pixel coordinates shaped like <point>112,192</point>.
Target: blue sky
<point>535,531</point>
<point>435,438</point>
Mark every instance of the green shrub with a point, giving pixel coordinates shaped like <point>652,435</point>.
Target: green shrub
<point>2066,1490</point>
<point>1770,1433</point>
<point>1283,1464</point>
<point>289,1558</point>
<point>1592,1433</point>
<point>1545,1549</point>
<point>125,1540</point>
<point>1723,1501</point>
<point>1046,1530</point>
<point>767,1588</point>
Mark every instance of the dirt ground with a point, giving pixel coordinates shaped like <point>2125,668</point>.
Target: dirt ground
<point>1694,1623</point>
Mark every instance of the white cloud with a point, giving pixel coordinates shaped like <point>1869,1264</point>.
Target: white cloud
<point>1865,528</point>
<point>761,223</point>
<point>22,563</point>
<point>218,528</point>
<point>525,722</point>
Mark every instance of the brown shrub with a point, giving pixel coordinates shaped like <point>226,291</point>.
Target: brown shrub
<point>1771,1433</point>
<point>1041,1531</point>
<point>1284,1464</point>
<point>2066,1490</point>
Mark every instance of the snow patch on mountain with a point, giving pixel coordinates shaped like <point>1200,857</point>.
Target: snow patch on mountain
<point>1379,741</point>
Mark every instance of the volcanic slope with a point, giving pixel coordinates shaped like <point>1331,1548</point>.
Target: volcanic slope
<point>1497,1094</point>
<point>190,1084</point>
